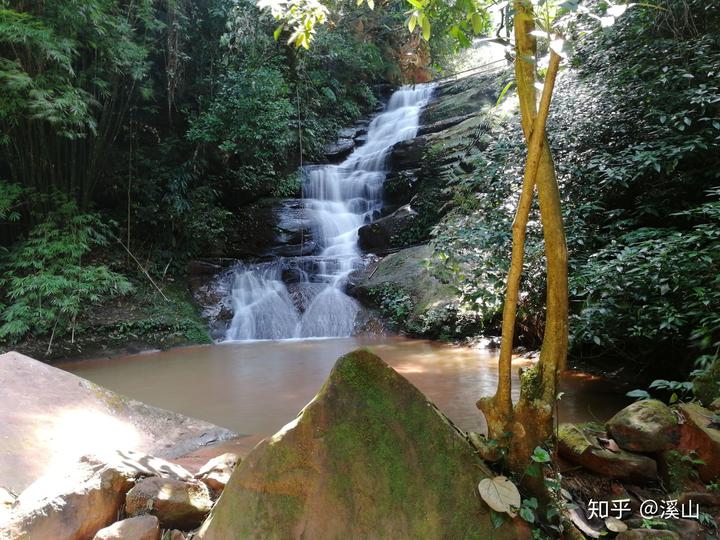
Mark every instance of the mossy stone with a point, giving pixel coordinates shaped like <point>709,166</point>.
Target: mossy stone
<point>579,444</point>
<point>645,426</point>
<point>369,457</point>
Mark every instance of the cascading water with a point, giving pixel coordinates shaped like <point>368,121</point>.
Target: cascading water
<point>339,199</point>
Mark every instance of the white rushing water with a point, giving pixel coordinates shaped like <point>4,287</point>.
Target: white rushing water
<point>339,199</point>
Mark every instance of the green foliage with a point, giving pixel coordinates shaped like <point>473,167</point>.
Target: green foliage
<point>45,281</point>
<point>9,201</point>
<point>635,132</point>
<point>655,285</point>
<point>68,71</point>
<point>396,305</point>
<point>251,122</point>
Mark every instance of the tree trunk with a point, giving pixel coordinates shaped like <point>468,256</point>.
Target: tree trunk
<point>531,421</point>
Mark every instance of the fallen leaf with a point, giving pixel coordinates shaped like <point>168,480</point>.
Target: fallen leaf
<point>500,494</point>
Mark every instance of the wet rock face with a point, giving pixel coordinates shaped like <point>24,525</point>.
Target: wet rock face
<point>339,150</point>
<point>369,457</point>
<point>177,504</point>
<point>384,233</point>
<point>400,187</point>
<point>645,426</point>
<point>580,444</point>
<point>407,154</point>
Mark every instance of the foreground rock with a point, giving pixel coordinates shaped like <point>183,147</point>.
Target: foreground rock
<point>645,426</point>
<point>580,444</point>
<point>369,457</point>
<point>136,528</point>
<point>79,500</point>
<point>72,505</point>
<point>52,418</point>
<point>701,434</point>
<point>215,474</point>
<point>177,504</point>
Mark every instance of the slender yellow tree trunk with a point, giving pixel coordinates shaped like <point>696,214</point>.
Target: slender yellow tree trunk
<point>531,421</point>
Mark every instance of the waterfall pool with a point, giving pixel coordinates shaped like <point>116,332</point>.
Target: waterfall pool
<point>256,387</point>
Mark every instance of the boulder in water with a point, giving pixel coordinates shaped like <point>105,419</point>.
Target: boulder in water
<point>52,418</point>
<point>369,457</point>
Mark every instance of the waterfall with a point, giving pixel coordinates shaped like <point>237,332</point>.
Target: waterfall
<point>298,297</point>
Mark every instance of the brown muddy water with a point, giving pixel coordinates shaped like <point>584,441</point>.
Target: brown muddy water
<point>257,387</point>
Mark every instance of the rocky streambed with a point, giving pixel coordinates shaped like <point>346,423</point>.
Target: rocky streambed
<point>370,456</point>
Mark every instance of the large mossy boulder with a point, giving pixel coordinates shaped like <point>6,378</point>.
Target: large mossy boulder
<point>404,290</point>
<point>369,457</point>
<point>645,426</point>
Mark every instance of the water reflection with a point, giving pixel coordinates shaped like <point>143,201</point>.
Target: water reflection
<point>257,387</point>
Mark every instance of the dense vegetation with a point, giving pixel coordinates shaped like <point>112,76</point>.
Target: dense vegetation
<point>635,129</point>
<point>133,133</point>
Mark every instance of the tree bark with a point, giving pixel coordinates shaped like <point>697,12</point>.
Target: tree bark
<point>531,422</point>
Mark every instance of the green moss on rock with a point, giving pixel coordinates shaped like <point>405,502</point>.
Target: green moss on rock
<point>369,457</point>
<point>645,426</point>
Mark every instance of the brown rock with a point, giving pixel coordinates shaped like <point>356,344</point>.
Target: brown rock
<point>216,472</point>
<point>579,444</point>
<point>701,498</point>
<point>181,505</point>
<point>72,504</point>
<point>645,426</point>
<point>648,534</point>
<point>135,528</point>
<point>699,434</point>
<point>174,535</point>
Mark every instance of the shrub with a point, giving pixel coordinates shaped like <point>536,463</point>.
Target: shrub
<point>45,281</point>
